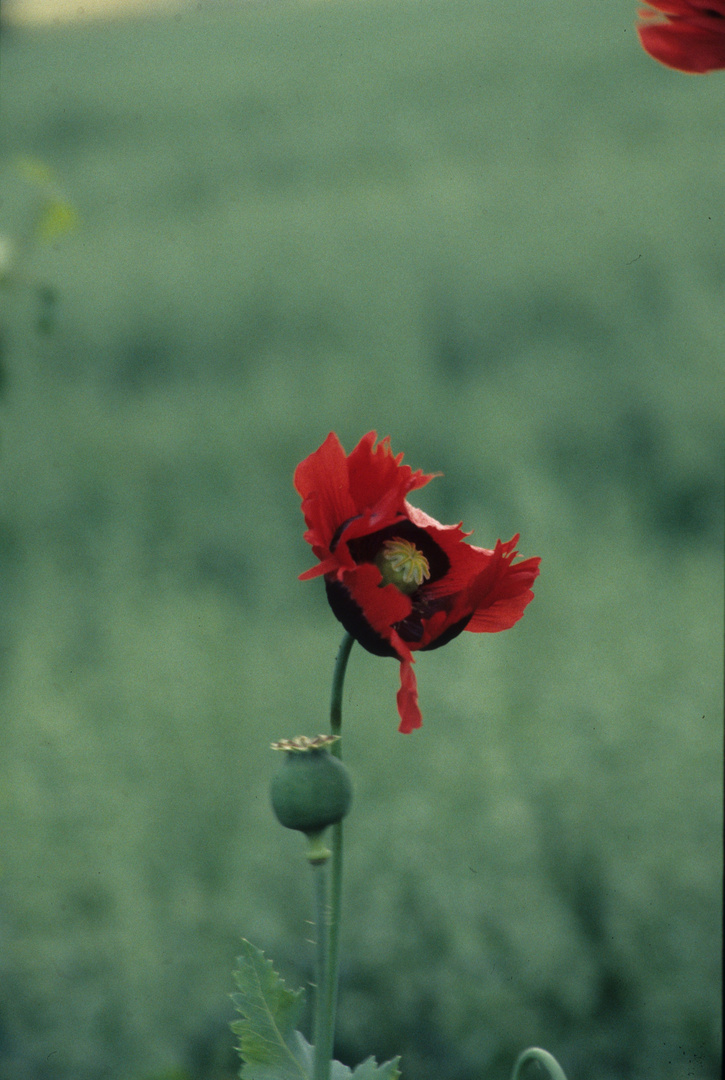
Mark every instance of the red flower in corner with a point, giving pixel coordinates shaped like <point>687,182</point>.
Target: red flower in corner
<point>688,35</point>
<point>398,580</point>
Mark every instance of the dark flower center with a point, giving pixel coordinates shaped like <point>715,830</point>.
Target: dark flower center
<point>418,552</point>
<point>368,549</point>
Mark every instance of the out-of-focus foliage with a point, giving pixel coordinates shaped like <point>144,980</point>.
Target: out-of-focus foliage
<point>495,233</point>
<point>55,216</point>
<point>46,216</point>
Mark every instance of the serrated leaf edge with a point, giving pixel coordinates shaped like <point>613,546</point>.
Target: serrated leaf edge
<point>392,1064</point>
<point>249,951</point>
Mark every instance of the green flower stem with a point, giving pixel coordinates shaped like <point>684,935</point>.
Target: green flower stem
<point>326,1002</point>
<point>321,1065</point>
<point>338,681</point>
<point>546,1060</point>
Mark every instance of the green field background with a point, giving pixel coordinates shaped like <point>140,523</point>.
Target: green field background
<point>494,232</point>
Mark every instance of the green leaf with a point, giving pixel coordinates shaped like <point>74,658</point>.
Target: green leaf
<point>269,1045</point>
<point>366,1070</point>
<point>370,1070</point>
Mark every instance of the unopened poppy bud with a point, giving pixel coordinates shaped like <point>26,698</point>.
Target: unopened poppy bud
<point>312,789</point>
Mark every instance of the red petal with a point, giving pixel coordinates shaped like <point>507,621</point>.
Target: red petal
<point>322,481</point>
<point>407,696</point>
<point>368,489</point>
<point>377,479</point>
<point>684,48</point>
<point>686,9</point>
<point>438,623</point>
<point>327,566</point>
<point>690,38</point>
<point>381,607</point>
<point>480,583</point>
<point>503,590</point>
<point>466,561</point>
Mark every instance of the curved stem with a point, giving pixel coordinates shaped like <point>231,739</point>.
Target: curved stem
<point>327,986</point>
<point>546,1060</point>
<point>338,681</point>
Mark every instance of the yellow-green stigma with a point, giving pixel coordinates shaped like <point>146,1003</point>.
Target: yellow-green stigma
<point>402,565</point>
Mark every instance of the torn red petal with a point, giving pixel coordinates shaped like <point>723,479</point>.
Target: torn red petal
<point>383,607</point>
<point>407,699</point>
<point>322,481</point>
<point>325,567</point>
<point>501,593</point>
<point>377,478</point>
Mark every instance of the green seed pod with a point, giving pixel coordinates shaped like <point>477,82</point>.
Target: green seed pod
<point>312,789</point>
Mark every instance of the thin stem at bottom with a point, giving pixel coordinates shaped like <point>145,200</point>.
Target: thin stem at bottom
<point>330,1003</point>
<point>322,1038</point>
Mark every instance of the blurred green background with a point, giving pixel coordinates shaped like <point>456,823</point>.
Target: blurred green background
<point>494,232</point>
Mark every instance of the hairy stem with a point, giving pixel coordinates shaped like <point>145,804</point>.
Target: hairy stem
<point>327,977</point>
<point>321,1066</point>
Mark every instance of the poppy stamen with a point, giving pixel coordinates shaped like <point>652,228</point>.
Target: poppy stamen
<point>402,564</point>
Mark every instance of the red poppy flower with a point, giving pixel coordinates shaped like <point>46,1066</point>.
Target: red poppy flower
<point>398,580</point>
<point>688,35</point>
